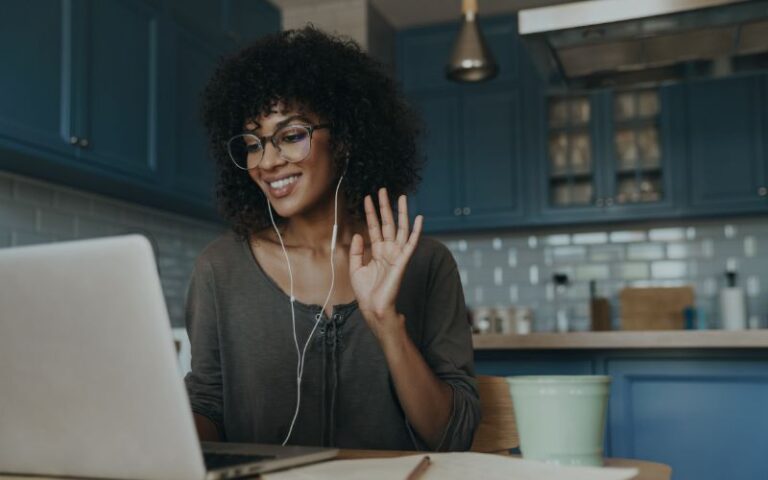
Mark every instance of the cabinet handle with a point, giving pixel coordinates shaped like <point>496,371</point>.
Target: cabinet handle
<point>466,211</point>
<point>83,142</point>
<point>762,191</point>
<point>608,202</point>
<point>457,211</point>
<point>73,140</point>
<point>599,202</point>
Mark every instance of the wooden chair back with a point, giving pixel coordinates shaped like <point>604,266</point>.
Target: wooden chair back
<point>497,431</point>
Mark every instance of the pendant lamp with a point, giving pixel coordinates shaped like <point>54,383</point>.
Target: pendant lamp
<point>471,59</point>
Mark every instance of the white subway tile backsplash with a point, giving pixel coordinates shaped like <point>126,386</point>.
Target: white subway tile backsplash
<point>729,231</point>
<point>645,251</point>
<point>606,253</point>
<point>666,234</point>
<point>34,212</point>
<point>32,192</point>
<point>18,216</point>
<point>477,258</point>
<point>632,270</point>
<point>690,233</point>
<point>753,286</point>
<point>569,254</point>
<point>497,243</point>
<point>627,236</point>
<point>592,272</point>
<point>498,276</point>
<point>533,242</point>
<point>512,257</point>
<point>514,294</point>
<point>596,238</point>
<point>669,269</point>
<point>533,274</point>
<point>50,221</point>
<point>554,240</point>
<point>750,246</point>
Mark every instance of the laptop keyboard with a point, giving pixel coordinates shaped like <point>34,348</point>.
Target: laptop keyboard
<point>221,460</point>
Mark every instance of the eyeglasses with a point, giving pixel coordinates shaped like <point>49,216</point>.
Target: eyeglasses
<point>292,141</point>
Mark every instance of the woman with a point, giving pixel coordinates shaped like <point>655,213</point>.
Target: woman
<point>321,320</point>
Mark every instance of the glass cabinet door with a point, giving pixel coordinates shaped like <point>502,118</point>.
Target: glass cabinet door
<point>637,148</point>
<point>569,151</point>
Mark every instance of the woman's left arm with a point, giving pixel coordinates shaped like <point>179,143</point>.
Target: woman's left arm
<point>428,401</point>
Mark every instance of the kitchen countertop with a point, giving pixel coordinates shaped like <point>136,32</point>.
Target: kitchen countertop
<point>624,340</point>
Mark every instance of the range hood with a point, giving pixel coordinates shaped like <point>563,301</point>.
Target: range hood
<point>614,43</point>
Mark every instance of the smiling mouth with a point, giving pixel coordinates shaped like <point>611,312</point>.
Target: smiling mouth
<point>283,182</point>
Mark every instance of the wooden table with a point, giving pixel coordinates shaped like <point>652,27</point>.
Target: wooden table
<point>647,470</point>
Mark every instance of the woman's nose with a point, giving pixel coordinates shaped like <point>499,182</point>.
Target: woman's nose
<point>271,157</point>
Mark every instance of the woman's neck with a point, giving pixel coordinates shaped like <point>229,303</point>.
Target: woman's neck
<point>313,231</point>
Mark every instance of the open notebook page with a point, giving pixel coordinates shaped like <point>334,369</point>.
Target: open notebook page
<point>450,466</point>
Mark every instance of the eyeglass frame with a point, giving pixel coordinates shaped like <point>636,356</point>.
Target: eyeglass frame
<point>271,139</point>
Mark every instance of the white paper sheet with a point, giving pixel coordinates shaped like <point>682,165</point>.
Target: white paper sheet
<point>450,466</point>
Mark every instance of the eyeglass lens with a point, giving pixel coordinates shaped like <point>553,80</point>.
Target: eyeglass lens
<point>293,142</point>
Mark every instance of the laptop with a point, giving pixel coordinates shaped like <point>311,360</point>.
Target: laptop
<point>89,385</point>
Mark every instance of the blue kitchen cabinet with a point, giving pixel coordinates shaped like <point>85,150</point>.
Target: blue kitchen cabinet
<point>728,158</point>
<point>190,165</point>
<point>473,174</point>
<point>439,197</point>
<point>703,416</point>
<point>491,170</point>
<point>116,51</point>
<point>35,97</point>
<point>473,171</point>
<point>700,411</point>
<point>105,95</point>
<point>608,155</point>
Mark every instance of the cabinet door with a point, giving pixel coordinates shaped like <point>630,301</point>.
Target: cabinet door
<point>491,158</point>
<point>119,115</point>
<point>726,165</point>
<point>638,151</point>
<point>34,100</point>
<point>703,417</point>
<point>570,171</point>
<point>191,166</point>
<point>437,197</point>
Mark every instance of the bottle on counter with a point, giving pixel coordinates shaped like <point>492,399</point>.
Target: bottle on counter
<point>733,308</point>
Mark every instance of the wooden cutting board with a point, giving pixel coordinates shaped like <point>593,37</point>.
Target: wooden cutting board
<point>654,308</point>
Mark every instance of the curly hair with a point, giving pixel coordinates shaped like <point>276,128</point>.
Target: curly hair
<point>371,123</point>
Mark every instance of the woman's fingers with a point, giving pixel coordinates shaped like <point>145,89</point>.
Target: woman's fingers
<point>387,220</point>
<point>356,253</point>
<point>402,220</point>
<point>374,231</point>
<point>413,240</point>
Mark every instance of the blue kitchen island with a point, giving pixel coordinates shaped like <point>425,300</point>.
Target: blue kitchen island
<point>694,400</point>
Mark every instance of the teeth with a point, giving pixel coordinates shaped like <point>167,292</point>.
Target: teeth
<point>283,182</point>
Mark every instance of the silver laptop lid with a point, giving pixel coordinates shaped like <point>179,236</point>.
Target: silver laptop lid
<point>88,378</point>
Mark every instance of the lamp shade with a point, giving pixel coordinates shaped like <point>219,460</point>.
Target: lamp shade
<point>471,59</point>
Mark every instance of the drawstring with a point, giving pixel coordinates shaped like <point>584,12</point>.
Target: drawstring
<point>323,332</point>
<point>335,368</point>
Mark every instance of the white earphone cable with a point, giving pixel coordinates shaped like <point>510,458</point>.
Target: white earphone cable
<point>301,353</point>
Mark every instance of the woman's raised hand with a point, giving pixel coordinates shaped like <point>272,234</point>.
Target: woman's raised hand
<point>376,284</point>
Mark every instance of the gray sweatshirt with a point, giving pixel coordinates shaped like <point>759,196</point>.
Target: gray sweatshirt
<point>244,358</point>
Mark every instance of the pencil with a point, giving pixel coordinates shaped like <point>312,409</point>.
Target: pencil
<point>419,470</point>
